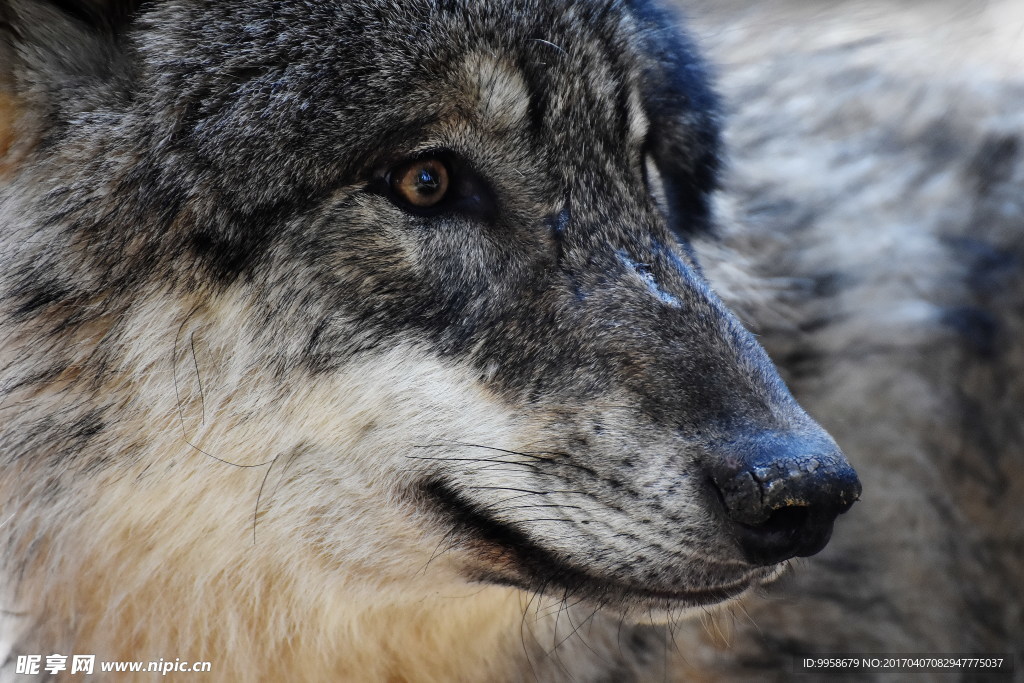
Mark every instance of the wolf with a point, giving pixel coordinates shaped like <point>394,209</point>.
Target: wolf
<point>367,341</point>
<point>342,338</point>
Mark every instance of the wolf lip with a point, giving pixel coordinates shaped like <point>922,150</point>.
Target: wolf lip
<point>610,592</point>
<point>515,559</point>
<point>694,597</point>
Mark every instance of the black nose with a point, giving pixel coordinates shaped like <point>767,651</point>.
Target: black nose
<point>781,493</point>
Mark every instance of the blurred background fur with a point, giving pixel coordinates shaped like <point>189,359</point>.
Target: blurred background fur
<point>875,193</point>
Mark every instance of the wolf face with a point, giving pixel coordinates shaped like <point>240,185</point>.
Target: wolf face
<point>428,265</point>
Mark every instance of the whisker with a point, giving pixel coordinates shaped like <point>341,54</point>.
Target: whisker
<point>259,494</point>
<point>199,379</point>
<point>526,491</point>
<point>181,411</point>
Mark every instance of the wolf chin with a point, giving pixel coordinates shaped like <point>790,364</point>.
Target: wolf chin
<point>378,341</point>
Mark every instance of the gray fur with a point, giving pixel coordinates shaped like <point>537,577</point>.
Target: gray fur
<point>226,151</point>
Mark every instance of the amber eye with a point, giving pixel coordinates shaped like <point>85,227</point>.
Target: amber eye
<point>423,183</point>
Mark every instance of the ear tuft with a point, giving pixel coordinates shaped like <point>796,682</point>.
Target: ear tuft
<point>23,20</point>
<point>57,58</point>
<point>40,38</point>
<point>103,15</point>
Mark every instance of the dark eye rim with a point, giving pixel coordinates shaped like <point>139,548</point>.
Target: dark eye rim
<point>468,194</point>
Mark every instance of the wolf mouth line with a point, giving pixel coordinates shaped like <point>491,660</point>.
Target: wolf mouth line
<point>520,561</point>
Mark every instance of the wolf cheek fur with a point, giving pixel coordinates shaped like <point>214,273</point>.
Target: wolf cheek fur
<point>318,317</point>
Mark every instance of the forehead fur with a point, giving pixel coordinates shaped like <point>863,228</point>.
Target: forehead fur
<point>271,71</point>
<point>231,118</point>
<point>496,88</point>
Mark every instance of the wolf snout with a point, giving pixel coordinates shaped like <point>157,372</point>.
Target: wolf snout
<point>781,494</point>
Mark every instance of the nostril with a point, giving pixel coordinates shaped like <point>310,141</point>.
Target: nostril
<point>742,496</point>
<point>788,532</point>
<point>783,521</point>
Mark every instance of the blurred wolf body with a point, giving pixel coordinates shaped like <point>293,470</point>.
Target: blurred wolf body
<point>877,177</point>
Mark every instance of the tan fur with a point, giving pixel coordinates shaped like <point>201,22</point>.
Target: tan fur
<point>17,132</point>
<point>323,579</point>
<point>133,570</point>
<point>232,483</point>
<point>10,115</point>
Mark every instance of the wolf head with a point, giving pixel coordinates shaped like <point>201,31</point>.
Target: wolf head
<point>467,225</point>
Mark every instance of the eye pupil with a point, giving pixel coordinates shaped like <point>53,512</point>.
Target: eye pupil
<point>422,183</point>
<point>427,183</point>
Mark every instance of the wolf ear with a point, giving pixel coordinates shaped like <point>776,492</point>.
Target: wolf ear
<point>102,15</point>
<point>57,58</point>
<point>44,34</point>
<point>685,113</point>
